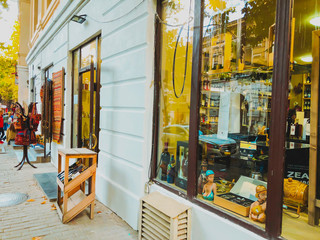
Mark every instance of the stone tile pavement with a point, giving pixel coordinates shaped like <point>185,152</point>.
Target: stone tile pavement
<point>33,219</point>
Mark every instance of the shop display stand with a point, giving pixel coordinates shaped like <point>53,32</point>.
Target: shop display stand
<point>75,199</point>
<point>24,158</point>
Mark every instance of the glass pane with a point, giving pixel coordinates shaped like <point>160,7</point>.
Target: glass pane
<point>94,102</point>
<point>85,109</point>
<point>297,213</point>
<point>75,107</point>
<point>86,52</point>
<point>235,106</point>
<point>176,64</point>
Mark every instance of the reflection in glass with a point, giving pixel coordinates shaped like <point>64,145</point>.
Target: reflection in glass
<point>174,110</point>
<point>87,52</point>
<point>235,105</point>
<point>85,113</point>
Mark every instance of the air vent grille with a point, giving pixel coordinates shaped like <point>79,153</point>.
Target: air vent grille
<point>163,218</point>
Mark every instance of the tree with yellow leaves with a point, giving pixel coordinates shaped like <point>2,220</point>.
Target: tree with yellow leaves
<point>4,5</point>
<point>8,61</point>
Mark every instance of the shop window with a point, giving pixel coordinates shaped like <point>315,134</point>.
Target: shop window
<point>235,106</point>
<point>175,89</point>
<point>231,155</point>
<point>300,180</point>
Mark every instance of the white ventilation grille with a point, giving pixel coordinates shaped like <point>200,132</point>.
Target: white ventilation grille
<point>162,217</point>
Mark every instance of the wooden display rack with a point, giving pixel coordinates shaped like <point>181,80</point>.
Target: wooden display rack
<point>75,199</point>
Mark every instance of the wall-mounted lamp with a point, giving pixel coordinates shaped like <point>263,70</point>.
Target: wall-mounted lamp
<point>79,19</point>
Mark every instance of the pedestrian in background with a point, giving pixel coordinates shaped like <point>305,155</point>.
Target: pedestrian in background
<point>5,121</point>
<point>2,135</point>
<point>10,119</point>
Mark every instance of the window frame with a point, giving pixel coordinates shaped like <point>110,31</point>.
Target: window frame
<point>277,124</point>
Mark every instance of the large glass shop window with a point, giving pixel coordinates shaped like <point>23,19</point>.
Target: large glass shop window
<point>175,88</point>
<point>297,211</point>
<point>235,106</point>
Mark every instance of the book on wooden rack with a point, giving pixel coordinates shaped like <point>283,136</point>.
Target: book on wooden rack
<point>74,170</point>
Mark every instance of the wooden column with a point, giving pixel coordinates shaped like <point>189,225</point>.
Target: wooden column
<point>279,103</point>
<point>313,210</point>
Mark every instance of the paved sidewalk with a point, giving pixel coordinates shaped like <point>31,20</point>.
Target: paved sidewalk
<point>33,219</point>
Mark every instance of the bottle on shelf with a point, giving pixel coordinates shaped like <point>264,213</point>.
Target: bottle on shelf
<point>203,100</point>
<point>204,85</point>
<point>308,80</point>
<point>211,102</point>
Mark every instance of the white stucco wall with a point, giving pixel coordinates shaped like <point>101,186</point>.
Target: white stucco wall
<point>127,70</point>
<point>23,86</point>
<point>127,49</point>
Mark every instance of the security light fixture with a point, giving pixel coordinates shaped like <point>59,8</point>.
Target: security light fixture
<point>79,19</point>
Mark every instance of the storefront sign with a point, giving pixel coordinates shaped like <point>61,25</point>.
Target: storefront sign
<point>58,83</point>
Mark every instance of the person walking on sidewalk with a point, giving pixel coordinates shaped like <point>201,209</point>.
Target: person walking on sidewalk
<point>5,121</point>
<point>2,135</point>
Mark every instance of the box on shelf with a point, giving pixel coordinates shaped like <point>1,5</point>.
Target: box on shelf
<point>241,196</point>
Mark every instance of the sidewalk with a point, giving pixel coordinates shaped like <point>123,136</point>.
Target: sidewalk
<point>33,219</point>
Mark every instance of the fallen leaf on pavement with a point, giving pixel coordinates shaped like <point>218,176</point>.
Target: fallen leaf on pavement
<point>53,208</point>
<point>99,212</point>
<point>43,202</point>
<point>37,238</point>
<point>53,205</point>
<point>30,200</point>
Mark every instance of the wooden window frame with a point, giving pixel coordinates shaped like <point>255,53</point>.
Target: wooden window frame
<point>278,118</point>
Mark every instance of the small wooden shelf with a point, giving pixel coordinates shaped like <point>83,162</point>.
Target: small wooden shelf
<point>75,198</point>
<point>210,107</point>
<point>206,123</point>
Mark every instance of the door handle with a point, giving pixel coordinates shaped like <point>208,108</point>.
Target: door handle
<point>95,141</point>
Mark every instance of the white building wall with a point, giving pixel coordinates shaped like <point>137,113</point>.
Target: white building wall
<point>127,72</point>
<point>23,86</point>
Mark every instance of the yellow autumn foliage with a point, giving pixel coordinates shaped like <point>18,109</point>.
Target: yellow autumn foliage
<point>8,61</point>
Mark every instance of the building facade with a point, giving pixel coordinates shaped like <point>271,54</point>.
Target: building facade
<point>161,89</point>
<point>22,68</point>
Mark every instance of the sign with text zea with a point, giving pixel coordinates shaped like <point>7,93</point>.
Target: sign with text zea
<point>58,90</point>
